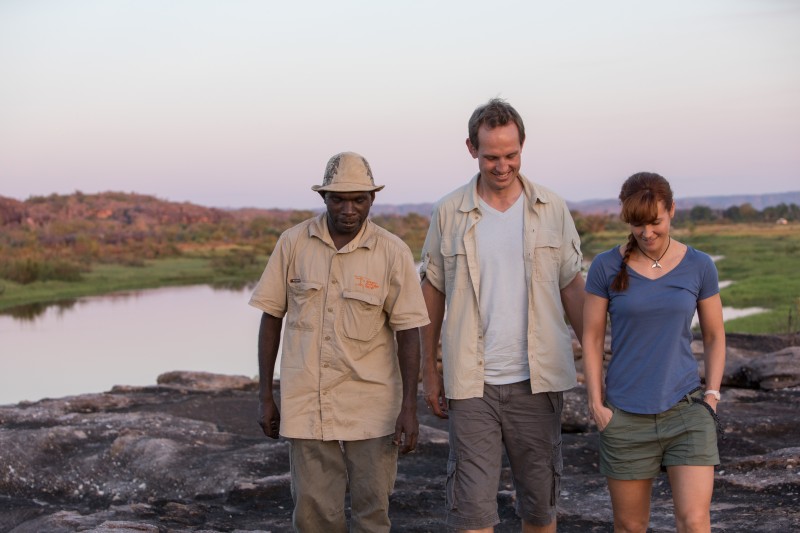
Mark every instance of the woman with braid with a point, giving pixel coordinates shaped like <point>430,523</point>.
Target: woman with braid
<point>653,413</point>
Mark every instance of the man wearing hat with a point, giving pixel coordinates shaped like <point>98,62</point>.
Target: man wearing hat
<point>352,305</point>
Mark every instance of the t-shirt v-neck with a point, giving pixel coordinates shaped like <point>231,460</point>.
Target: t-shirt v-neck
<point>503,300</point>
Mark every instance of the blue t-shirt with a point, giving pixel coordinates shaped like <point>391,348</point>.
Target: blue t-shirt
<point>652,366</point>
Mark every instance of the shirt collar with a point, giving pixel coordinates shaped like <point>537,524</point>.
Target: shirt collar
<point>365,238</point>
<point>533,194</point>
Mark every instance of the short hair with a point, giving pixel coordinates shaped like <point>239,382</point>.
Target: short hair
<point>496,112</point>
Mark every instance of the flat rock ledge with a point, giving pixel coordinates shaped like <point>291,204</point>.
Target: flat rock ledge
<point>187,455</point>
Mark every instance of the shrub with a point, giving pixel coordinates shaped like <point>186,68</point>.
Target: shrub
<point>29,269</point>
<point>235,261</point>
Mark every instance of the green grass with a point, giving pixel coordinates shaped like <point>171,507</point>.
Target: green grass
<point>762,260</point>
<point>104,278</point>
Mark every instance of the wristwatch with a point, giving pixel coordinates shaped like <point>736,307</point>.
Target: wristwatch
<point>714,393</point>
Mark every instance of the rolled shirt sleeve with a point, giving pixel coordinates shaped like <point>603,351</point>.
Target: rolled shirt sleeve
<point>432,267</point>
<point>571,256</point>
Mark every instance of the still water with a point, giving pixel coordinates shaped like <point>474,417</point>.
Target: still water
<point>129,338</point>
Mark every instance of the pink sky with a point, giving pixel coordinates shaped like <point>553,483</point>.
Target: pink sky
<point>240,102</point>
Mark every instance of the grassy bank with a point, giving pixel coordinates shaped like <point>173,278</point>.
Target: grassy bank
<point>762,260</point>
<point>193,268</point>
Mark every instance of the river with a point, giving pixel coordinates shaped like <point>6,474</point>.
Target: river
<point>127,338</point>
<point>94,343</point>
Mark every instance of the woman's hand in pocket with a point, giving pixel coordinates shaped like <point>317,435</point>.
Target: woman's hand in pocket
<point>602,416</point>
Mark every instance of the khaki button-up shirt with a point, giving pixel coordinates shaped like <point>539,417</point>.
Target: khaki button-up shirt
<point>339,373</point>
<point>552,260</point>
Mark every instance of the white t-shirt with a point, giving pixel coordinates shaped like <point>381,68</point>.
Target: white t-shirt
<point>503,293</point>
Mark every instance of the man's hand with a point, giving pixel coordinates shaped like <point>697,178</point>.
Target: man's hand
<point>432,382</point>
<point>269,418</point>
<point>433,392</point>
<point>406,425</point>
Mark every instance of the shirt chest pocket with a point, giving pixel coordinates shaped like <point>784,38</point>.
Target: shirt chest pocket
<point>362,315</point>
<point>546,255</point>
<point>456,268</point>
<point>303,305</point>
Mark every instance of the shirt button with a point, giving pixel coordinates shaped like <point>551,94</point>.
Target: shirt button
<point>324,393</point>
<point>480,363</point>
<point>334,282</point>
<point>326,365</point>
<point>327,338</point>
<point>330,309</point>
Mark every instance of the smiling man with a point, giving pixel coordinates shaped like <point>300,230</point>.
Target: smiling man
<point>503,257</point>
<point>350,361</point>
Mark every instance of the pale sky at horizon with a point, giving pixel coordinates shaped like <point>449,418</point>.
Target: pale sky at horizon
<point>234,103</point>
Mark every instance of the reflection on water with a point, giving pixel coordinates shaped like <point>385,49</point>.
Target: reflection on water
<point>92,344</point>
<point>234,285</point>
<point>33,311</point>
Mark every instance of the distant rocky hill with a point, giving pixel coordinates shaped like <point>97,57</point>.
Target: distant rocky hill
<point>124,208</point>
<point>424,209</point>
<point>59,236</point>
<point>127,209</point>
<point>611,205</point>
<point>143,211</point>
<point>758,201</point>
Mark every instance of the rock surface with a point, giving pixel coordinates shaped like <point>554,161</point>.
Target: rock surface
<point>187,455</point>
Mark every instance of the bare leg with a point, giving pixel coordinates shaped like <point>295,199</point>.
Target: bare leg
<point>692,487</point>
<point>630,500</point>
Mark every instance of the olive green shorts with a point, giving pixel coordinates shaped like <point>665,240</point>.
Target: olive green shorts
<point>635,446</point>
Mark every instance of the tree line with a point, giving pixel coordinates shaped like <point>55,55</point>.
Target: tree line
<point>60,237</point>
<point>697,215</point>
<point>742,213</point>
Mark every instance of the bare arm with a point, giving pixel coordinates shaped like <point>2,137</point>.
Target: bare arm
<point>595,309</point>
<point>711,325</point>
<point>432,382</point>
<point>572,297</point>
<point>269,336</point>
<point>408,355</point>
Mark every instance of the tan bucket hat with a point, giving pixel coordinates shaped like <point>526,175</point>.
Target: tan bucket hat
<point>347,172</point>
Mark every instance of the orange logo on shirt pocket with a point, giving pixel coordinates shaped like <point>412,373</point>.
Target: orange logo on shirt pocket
<point>366,283</point>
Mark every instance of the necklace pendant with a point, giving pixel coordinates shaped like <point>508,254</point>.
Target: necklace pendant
<point>655,261</point>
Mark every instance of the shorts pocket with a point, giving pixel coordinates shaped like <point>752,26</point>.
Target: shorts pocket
<point>557,401</point>
<point>558,470</point>
<point>701,428</point>
<point>614,417</point>
<point>362,315</point>
<point>450,483</point>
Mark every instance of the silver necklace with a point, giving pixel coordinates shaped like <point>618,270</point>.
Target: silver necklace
<point>656,263</point>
